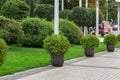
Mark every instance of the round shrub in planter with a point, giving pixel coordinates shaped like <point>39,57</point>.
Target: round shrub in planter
<point>15,9</point>
<point>10,30</point>
<point>3,51</point>
<point>110,40</point>
<point>89,42</point>
<point>57,46</point>
<point>70,30</point>
<point>35,31</point>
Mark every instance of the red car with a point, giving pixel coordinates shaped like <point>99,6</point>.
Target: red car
<point>104,28</point>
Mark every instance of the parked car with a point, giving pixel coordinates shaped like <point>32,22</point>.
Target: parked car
<point>115,27</point>
<point>104,28</point>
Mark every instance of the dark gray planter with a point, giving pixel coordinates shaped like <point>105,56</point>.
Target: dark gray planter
<point>57,60</point>
<point>89,52</point>
<point>110,47</point>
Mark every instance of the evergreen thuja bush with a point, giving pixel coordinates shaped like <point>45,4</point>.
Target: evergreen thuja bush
<point>70,30</point>
<point>3,51</point>
<point>35,31</point>
<point>56,44</point>
<point>89,41</point>
<point>44,11</point>
<point>10,30</point>
<point>15,9</point>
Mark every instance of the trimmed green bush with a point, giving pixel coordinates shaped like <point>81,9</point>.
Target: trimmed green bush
<point>110,39</point>
<point>10,30</point>
<point>65,14</point>
<point>15,9</point>
<point>70,30</point>
<point>3,51</point>
<point>35,31</point>
<point>118,36</point>
<point>44,11</point>
<point>84,16</point>
<point>89,41</point>
<point>56,44</point>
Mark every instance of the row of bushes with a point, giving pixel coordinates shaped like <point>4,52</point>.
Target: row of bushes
<point>32,31</point>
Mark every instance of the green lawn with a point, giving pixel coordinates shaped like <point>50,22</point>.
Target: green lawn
<point>20,58</point>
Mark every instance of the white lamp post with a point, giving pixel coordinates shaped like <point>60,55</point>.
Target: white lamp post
<point>107,10</point>
<point>97,17</point>
<point>86,4</point>
<point>80,3</point>
<point>62,6</point>
<point>118,16</point>
<point>56,16</point>
<point>85,27</point>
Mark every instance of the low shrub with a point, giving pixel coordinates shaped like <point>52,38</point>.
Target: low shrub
<point>70,30</point>
<point>110,39</point>
<point>118,36</point>
<point>15,9</point>
<point>3,51</point>
<point>35,31</point>
<point>44,11</point>
<point>89,41</point>
<point>10,30</point>
<point>56,44</point>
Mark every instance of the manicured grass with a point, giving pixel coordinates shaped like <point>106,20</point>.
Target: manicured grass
<point>20,58</point>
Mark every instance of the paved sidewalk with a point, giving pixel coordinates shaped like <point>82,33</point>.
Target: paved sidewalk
<point>104,66</point>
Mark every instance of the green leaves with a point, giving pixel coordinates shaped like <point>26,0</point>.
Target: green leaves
<point>56,44</point>
<point>3,51</point>
<point>110,39</point>
<point>15,9</point>
<point>36,30</point>
<point>70,30</point>
<point>44,11</point>
<point>90,41</point>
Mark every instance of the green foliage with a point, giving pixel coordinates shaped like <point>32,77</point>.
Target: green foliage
<point>44,11</point>
<point>118,36</point>
<point>35,31</point>
<point>10,30</point>
<point>32,4</point>
<point>79,17</point>
<point>110,39</point>
<point>103,7</point>
<point>112,12</point>
<point>56,44</point>
<point>70,30</point>
<point>89,41</point>
<point>84,16</point>
<point>15,9</point>
<point>65,14</point>
<point>3,51</point>
<point>92,11</point>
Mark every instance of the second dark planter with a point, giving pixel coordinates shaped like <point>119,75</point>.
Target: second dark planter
<point>110,47</point>
<point>89,52</point>
<point>57,60</point>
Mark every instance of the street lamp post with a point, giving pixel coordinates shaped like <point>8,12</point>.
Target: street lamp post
<point>56,16</point>
<point>107,10</point>
<point>80,3</point>
<point>85,27</point>
<point>86,5</point>
<point>97,17</point>
<point>62,6</point>
<point>118,10</point>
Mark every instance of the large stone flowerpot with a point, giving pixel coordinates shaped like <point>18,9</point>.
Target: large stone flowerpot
<point>57,60</point>
<point>89,52</point>
<point>110,47</point>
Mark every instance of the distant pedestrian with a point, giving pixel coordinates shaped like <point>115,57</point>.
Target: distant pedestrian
<point>111,21</point>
